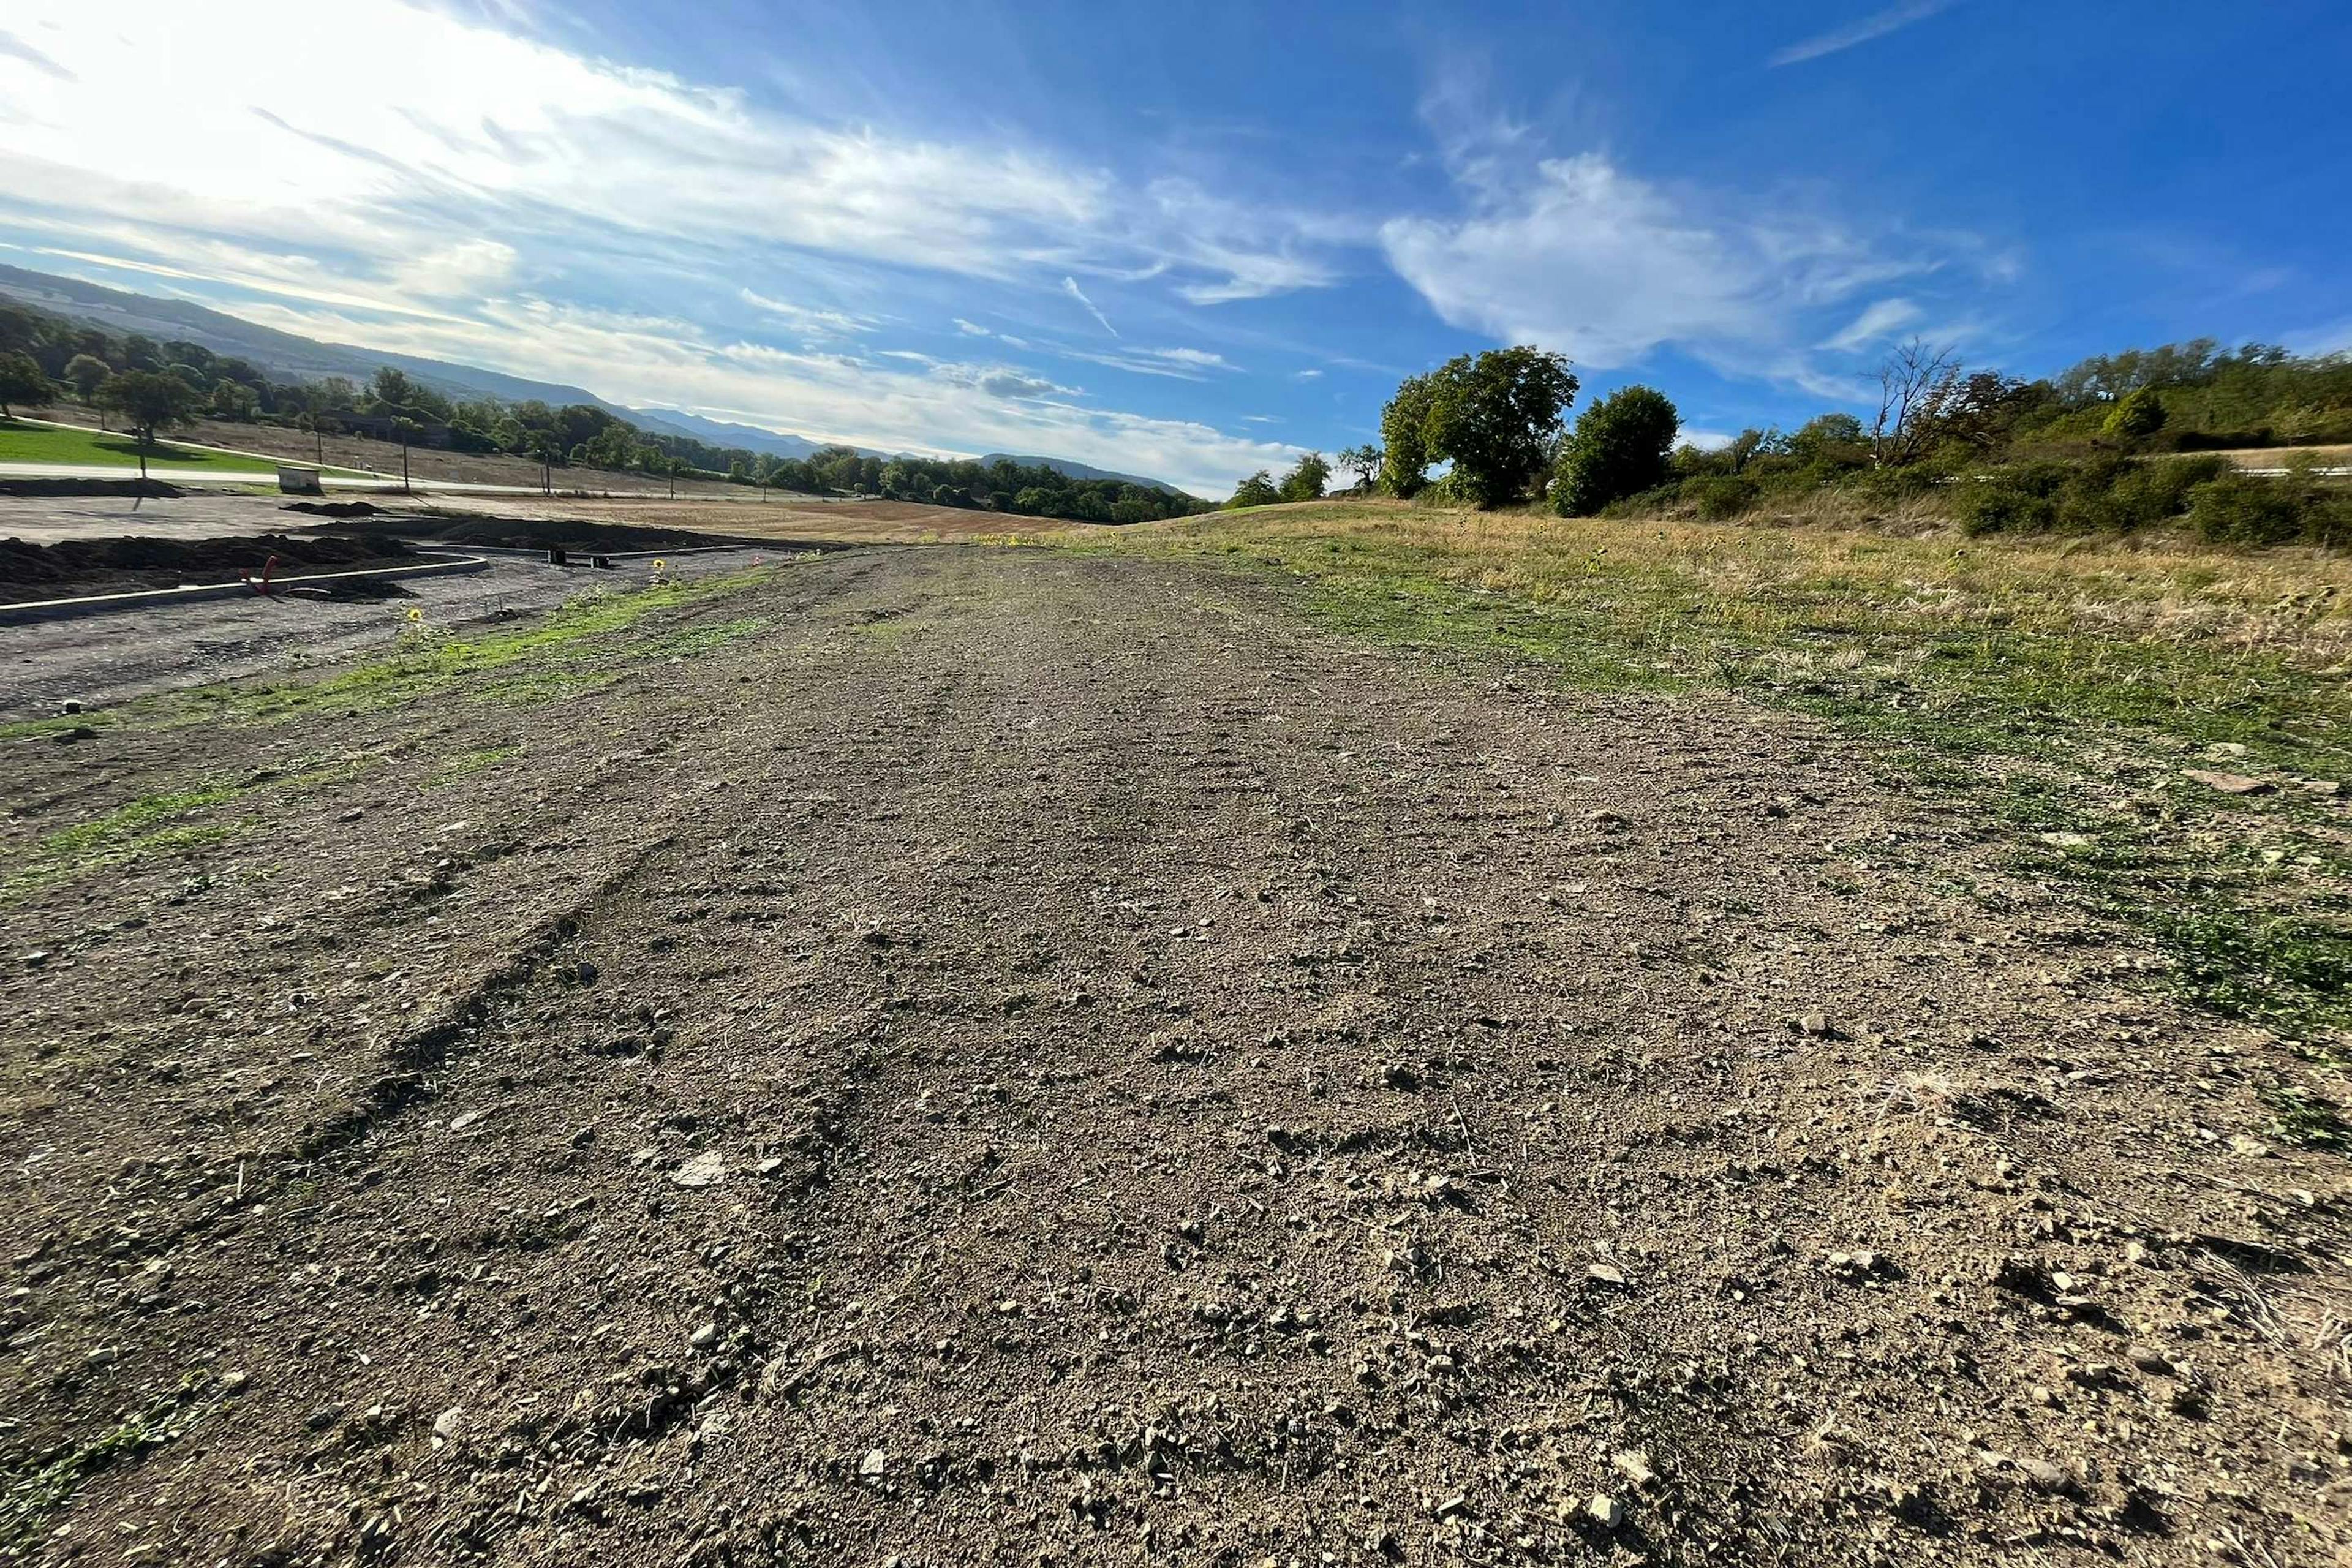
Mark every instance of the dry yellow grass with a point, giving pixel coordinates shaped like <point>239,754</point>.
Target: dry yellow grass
<point>1765,578</point>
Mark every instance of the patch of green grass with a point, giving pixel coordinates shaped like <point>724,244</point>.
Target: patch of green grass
<point>2304,1119</point>
<point>461,763</point>
<point>137,829</point>
<point>424,661</point>
<point>127,833</point>
<point>541,687</point>
<point>28,1497</point>
<point>99,852</point>
<point>25,442</point>
<point>123,823</point>
<point>698,641</point>
<point>2066,687</point>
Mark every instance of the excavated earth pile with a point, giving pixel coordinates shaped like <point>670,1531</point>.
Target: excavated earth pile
<point>965,1056</point>
<point>77,566</point>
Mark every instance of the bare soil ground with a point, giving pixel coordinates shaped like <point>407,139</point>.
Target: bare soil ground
<point>776,514</point>
<point>984,1056</point>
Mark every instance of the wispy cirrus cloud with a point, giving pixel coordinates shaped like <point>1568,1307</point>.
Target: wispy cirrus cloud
<point>1070,287</point>
<point>1862,31</point>
<point>813,321</point>
<point>1176,365</point>
<point>17,48</point>
<point>1877,322</point>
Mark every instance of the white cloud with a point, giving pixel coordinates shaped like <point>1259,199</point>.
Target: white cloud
<point>816,323</point>
<point>376,125</point>
<point>1070,286</point>
<point>1875,25</point>
<point>404,173</point>
<point>1175,365</point>
<point>1577,256</point>
<point>1877,323</point>
<point>972,329</point>
<point>1249,250</point>
<point>18,49</point>
<point>465,269</point>
<point>1308,375</point>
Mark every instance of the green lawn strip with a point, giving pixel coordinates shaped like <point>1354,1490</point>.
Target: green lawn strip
<point>27,443</point>
<point>2014,714</point>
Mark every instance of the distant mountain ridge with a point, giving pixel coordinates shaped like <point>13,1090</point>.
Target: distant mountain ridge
<point>1072,471</point>
<point>678,422</point>
<point>286,356</point>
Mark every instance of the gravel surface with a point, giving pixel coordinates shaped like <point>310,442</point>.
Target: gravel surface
<point>962,1056</point>
<point>107,657</point>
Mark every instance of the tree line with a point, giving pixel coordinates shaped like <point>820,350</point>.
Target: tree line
<point>2107,443</point>
<point>153,386</point>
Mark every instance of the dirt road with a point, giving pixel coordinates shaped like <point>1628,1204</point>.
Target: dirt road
<point>962,1056</point>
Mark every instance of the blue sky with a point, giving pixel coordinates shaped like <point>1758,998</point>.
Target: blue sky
<point>1190,240</point>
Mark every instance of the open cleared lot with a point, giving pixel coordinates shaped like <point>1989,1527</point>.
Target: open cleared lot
<point>1385,1037</point>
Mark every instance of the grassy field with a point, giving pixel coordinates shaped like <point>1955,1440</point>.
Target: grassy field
<point>2073,688</point>
<point>21,442</point>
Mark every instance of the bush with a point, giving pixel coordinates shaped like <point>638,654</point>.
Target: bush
<point>2239,509</point>
<point>1455,490</point>
<point>2139,416</point>
<point>1721,496</point>
<point>1620,447</point>
<point>2146,494</point>
<point>2105,494</point>
<point>1897,482</point>
<point>1999,506</point>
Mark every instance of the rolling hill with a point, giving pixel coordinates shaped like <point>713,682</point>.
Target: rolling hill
<point>1068,470</point>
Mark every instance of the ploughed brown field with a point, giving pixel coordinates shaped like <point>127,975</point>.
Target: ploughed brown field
<point>975,1055</point>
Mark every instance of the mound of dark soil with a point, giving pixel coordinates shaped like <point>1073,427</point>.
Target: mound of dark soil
<point>77,566</point>
<point>88,487</point>
<point>519,533</point>
<point>336,508</point>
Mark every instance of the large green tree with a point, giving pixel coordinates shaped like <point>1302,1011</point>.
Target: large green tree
<point>1405,451</point>
<point>150,401</point>
<point>21,381</point>
<point>1620,447</point>
<point>1306,480</point>
<point>1258,489</point>
<point>86,373</point>
<point>1494,416</point>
